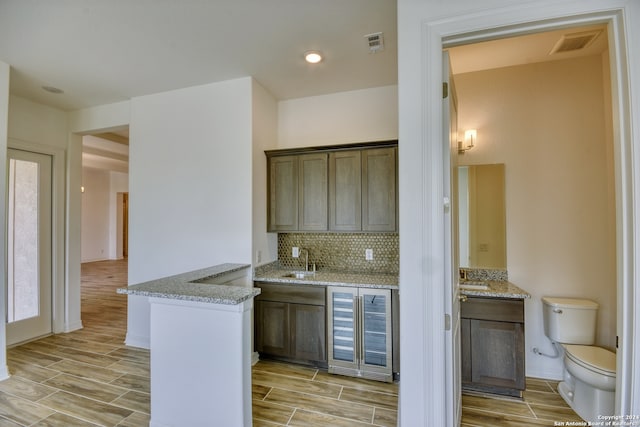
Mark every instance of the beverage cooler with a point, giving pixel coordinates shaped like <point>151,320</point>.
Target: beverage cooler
<point>359,332</point>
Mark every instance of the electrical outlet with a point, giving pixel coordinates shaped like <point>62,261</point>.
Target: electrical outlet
<point>295,252</point>
<point>368,254</point>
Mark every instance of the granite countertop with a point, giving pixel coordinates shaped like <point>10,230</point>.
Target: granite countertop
<point>274,274</point>
<point>189,286</point>
<point>496,289</point>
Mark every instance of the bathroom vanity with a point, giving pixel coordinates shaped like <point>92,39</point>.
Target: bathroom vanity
<point>492,339</point>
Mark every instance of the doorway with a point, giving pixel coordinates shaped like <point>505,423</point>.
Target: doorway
<point>427,28</point>
<point>29,250</point>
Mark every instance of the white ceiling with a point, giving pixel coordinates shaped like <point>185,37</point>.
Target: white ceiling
<point>103,51</point>
<point>101,153</point>
<point>525,49</point>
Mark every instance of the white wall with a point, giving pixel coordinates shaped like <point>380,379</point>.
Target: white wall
<point>118,183</point>
<point>546,122</point>
<point>37,123</point>
<point>339,118</point>
<point>100,213</point>
<point>190,185</point>
<point>95,214</point>
<point>264,130</point>
<point>4,125</point>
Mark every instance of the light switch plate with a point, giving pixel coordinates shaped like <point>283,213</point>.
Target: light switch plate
<point>295,252</point>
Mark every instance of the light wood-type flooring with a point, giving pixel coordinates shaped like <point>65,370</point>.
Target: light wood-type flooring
<point>89,377</point>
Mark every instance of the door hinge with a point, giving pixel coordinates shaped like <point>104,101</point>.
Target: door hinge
<point>616,341</point>
<point>445,89</point>
<point>447,322</point>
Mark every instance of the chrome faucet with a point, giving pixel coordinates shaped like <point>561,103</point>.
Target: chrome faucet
<point>306,258</point>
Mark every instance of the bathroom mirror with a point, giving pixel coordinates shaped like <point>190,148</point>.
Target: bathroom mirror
<point>482,238</point>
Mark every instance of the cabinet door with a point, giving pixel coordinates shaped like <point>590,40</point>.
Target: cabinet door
<point>342,326</point>
<point>272,328</point>
<point>345,191</point>
<point>375,314</point>
<point>283,194</point>
<point>498,354</point>
<point>379,189</point>
<point>308,333</point>
<point>312,186</point>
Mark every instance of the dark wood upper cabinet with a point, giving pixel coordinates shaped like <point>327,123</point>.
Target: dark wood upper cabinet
<point>345,191</point>
<point>341,188</point>
<point>312,187</point>
<point>283,193</point>
<point>379,189</point>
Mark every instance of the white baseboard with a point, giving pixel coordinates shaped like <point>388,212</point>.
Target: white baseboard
<point>255,358</point>
<point>545,375</point>
<point>4,373</point>
<point>154,423</point>
<point>73,326</point>
<point>94,260</point>
<point>138,341</point>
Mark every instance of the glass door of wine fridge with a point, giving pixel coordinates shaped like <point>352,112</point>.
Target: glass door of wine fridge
<point>359,327</point>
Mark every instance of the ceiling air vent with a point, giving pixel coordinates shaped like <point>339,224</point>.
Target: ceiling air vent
<point>376,42</point>
<point>575,41</point>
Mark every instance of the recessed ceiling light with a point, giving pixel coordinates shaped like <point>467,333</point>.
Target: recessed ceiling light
<point>312,57</point>
<point>52,89</point>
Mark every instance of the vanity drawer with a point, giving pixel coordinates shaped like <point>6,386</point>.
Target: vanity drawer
<point>297,294</point>
<point>497,309</point>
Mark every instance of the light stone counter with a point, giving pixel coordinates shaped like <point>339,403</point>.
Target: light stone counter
<point>274,274</point>
<point>497,289</point>
<point>204,285</point>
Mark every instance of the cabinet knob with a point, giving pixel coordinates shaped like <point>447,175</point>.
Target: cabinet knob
<point>462,298</point>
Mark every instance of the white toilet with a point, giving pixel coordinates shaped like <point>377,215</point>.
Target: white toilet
<point>589,372</point>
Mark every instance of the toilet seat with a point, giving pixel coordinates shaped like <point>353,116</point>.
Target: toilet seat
<point>595,359</point>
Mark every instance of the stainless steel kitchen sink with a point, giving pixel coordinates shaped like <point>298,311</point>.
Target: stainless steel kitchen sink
<point>301,274</point>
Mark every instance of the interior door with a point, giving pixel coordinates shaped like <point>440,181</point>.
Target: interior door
<point>452,301</point>
<point>29,246</point>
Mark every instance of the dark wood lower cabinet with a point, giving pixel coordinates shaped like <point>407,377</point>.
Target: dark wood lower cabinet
<point>307,328</point>
<point>290,323</point>
<point>492,345</point>
<point>272,320</point>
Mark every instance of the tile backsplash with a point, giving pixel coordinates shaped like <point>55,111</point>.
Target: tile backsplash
<point>342,251</point>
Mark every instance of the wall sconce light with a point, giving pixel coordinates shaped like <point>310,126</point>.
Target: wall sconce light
<point>82,189</point>
<point>469,141</point>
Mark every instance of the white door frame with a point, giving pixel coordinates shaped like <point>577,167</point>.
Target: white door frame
<point>57,226</point>
<point>482,24</point>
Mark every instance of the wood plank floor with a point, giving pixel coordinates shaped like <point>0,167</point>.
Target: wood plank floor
<point>89,378</point>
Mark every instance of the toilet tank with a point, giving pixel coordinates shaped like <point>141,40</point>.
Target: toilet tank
<point>570,320</point>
